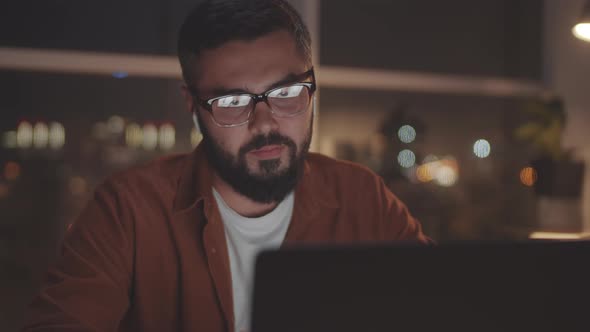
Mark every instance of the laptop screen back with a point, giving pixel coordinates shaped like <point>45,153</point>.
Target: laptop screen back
<point>457,287</point>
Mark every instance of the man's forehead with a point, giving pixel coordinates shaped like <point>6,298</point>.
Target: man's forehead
<point>250,65</point>
<point>250,85</point>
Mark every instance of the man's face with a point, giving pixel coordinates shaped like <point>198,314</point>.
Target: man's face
<point>262,159</point>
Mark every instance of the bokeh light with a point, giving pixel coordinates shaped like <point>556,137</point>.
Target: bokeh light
<point>528,176</point>
<point>446,176</point>
<point>11,171</point>
<point>40,135</point>
<point>116,124</point>
<point>167,136</point>
<point>133,135</point>
<point>24,135</point>
<point>9,140</point>
<point>444,172</point>
<point>582,31</point>
<point>482,148</point>
<point>120,74</point>
<point>406,158</point>
<point>57,135</point>
<point>150,136</point>
<point>407,134</point>
<point>424,172</point>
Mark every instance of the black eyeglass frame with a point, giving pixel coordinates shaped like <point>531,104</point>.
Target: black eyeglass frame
<point>208,104</point>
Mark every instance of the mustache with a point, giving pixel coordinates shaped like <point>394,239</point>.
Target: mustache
<point>260,141</point>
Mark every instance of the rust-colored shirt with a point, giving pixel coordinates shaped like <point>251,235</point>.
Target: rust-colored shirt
<point>149,253</point>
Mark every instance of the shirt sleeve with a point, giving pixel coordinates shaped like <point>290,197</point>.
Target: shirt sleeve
<point>88,288</point>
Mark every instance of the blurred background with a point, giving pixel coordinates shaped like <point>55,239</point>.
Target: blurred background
<point>476,113</point>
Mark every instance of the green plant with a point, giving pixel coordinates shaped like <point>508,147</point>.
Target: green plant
<point>544,129</point>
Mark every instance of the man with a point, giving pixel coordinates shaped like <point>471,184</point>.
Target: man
<point>170,246</point>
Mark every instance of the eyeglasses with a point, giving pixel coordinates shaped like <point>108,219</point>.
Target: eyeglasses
<point>284,101</point>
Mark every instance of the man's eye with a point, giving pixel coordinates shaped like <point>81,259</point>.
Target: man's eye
<point>233,101</point>
<point>287,92</point>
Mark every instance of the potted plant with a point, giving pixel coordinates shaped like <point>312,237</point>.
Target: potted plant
<point>559,177</point>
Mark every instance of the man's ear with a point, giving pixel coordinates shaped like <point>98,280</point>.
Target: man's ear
<point>188,98</point>
<point>196,122</point>
<point>190,105</point>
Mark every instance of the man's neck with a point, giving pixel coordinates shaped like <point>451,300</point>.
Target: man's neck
<point>239,203</point>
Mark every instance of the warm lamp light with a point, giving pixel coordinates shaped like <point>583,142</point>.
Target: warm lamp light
<point>582,28</point>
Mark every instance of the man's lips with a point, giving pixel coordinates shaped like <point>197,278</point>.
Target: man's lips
<point>268,151</point>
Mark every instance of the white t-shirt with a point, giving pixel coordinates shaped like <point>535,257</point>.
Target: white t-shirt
<point>245,238</point>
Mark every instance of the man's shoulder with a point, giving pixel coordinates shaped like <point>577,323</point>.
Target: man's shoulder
<point>351,187</point>
<point>159,175</point>
<point>332,170</point>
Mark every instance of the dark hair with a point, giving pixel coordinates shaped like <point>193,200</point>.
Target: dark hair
<point>215,22</point>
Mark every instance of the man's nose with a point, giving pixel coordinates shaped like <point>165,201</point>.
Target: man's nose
<point>262,120</point>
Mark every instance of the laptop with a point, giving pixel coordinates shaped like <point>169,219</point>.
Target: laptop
<point>528,286</point>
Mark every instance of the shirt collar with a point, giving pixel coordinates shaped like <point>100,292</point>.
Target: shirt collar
<point>194,182</point>
<point>313,193</point>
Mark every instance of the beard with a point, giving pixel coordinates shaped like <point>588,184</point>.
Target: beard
<point>272,184</point>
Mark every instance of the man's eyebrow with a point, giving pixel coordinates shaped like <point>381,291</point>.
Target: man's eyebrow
<point>222,91</point>
<point>289,78</point>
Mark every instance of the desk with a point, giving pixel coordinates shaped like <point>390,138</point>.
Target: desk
<point>564,236</point>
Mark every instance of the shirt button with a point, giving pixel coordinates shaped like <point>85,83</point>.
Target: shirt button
<point>213,251</point>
